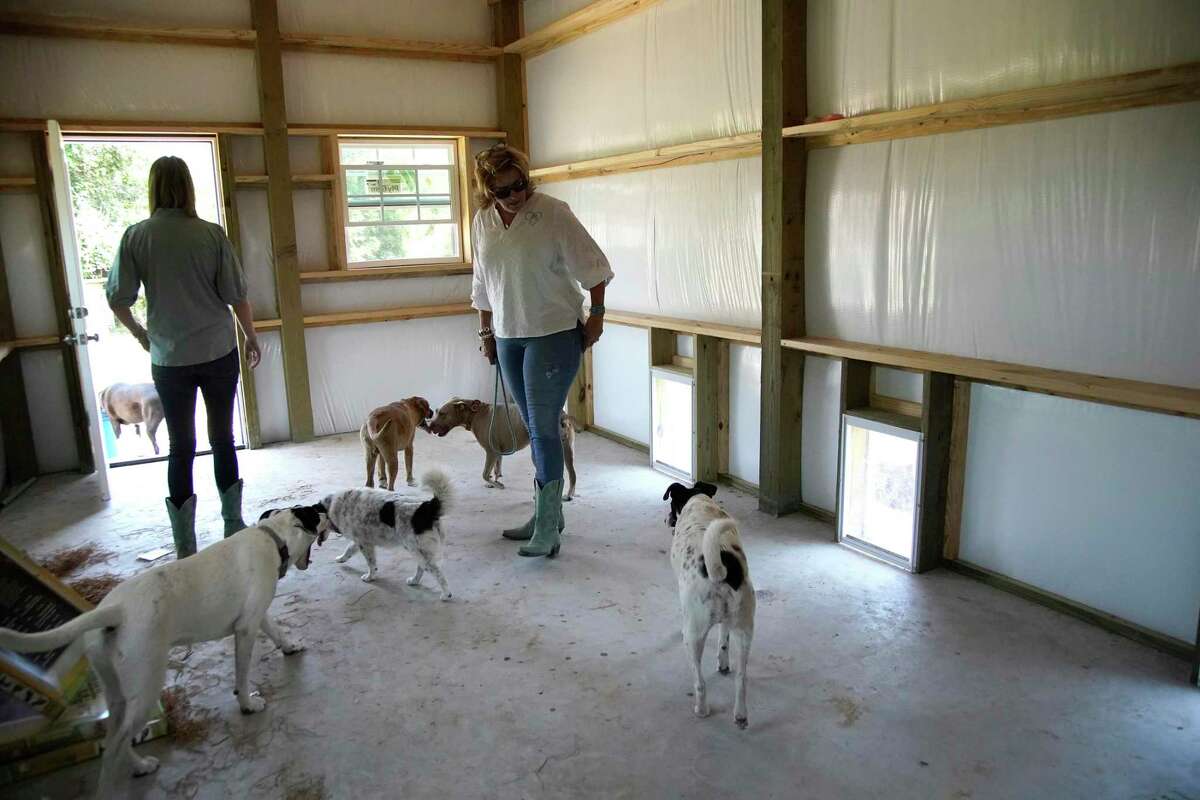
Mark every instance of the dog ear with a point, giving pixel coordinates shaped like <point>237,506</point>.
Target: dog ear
<point>270,512</point>
<point>707,488</point>
<point>475,406</point>
<point>387,513</point>
<point>309,517</point>
<point>674,487</point>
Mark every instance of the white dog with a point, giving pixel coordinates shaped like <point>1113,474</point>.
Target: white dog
<point>714,586</point>
<point>373,518</point>
<point>132,404</point>
<point>224,589</point>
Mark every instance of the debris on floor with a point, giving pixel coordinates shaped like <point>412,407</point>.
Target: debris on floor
<point>96,588</point>
<point>72,559</point>
<point>187,724</point>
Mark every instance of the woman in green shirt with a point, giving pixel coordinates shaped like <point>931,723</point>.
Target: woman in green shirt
<point>192,277</point>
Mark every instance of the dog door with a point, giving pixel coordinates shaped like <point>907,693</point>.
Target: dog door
<point>673,421</point>
<point>881,459</point>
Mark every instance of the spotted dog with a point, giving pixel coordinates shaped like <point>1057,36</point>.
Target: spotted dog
<point>714,586</point>
<point>373,518</point>
<point>224,589</point>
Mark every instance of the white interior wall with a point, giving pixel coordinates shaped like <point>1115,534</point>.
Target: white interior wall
<point>820,431</point>
<point>1092,502</point>
<point>540,13</point>
<point>49,410</point>
<point>621,382</point>
<point>899,383</point>
<point>745,401</point>
<point>420,20</point>
<point>181,13</point>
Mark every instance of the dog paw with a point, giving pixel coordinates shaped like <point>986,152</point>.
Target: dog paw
<point>291,648</point>
<point>446,596</point>
<point>253,704</point>
<point>724,670</point>
<point>701,710</point>
<point>413,581</point>
<point>411,482</point>
<point>342,559</point>
<point>741,722</point>
<point>568,499</point>
<point>368,578</point>
<point>144,765</point>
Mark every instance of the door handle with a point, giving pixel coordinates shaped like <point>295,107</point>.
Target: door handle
<point>81,340</point>
<point>78,312</point>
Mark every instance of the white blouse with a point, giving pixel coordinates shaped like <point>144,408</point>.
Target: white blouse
<point>531,275</point>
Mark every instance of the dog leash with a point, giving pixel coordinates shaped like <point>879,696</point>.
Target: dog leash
<point>497,390</point>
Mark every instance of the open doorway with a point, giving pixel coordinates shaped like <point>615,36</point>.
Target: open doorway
<point>108,177</point>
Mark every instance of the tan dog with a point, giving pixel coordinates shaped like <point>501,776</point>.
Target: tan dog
<point>388,430</point>
<point>476,416</point>
<point>133,404</point>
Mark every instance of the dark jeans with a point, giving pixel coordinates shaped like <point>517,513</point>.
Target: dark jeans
<point>538,372</point>
<point>217,381</point>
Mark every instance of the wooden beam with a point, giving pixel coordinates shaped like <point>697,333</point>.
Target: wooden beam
<point>71,27</point>
<point>20,453</point>
<point>587,19</point>
<point>784,163</point>
<point>233,230</point>
<point>33,343</point>
<point>268,58</point>
<point>722,149</point>
<point>854,393</point>
<point>590,400</point>
<point>335,211</point>
<point>712,407</point>
<point>662,347</point>
<point>936,425</point>
<point>246,128</point>
<point>1178,84</point>
<point>387,315</point>
<point>56,257</point>
<point>956,481</point>
<point>731,332</point>
<point>1168,399</point>
<point>508,21</point>
<point>18,184</point>
<point>321,181</point>
<point>383,273</point>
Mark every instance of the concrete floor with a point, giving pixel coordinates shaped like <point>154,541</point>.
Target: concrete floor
<point>567,678</point>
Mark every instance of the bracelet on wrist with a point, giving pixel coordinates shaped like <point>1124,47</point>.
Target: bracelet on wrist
<point>486,333</point>
<point>596,311</point>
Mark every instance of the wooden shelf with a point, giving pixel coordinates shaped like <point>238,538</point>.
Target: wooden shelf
<point>31,343</point>
<point>367,317</point>
<point>384,273</point>
<point>18,184</point>
<point>587,19</point>
<point>739,146</point>
<point>729,332</point>
<point>72,27</point>
<point>1118,391</point>
<point>298,181</point>
<point>1178,84</point>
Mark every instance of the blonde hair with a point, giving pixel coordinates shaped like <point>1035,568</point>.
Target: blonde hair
<point>171,185</point>
<point>493,161</point>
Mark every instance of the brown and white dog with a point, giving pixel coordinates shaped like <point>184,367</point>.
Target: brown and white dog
<point>476,416</point>
<point>388,430</point>
<point>133,404</point>
<point>714,587</point>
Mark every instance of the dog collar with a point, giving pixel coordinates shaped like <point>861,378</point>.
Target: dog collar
<point>284,561</point>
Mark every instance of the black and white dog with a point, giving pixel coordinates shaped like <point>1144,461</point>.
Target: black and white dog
<point>373,518</point>
<point>714,586</point>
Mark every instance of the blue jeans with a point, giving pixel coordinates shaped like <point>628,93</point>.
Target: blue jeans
<point>538,372</point>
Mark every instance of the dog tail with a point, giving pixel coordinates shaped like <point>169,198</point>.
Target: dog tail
<point>711,548</point>
<point>107,617</point>
<point>374,432</point>
<point>437,484</point>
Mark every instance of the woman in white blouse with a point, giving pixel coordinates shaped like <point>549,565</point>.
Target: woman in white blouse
<point>533,259</point>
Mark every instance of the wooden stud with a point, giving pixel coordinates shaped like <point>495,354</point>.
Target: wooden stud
<point>18,184</point>
<point>856,384</point>
<point>508,20</point>
<point>936,425</point>
<point>783,184</point>
<point>662,347</point>
<point>62,300</point>
<point>233,230</point>
<point>335,209</point>
<point>590,406</point>
<point>712,407</point>
<point>20,454</point>
<point>265,16</point>
<point>587,19</point>
<point>956,480</point>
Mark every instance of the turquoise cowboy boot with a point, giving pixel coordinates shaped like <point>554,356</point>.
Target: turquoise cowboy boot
<point>525,532</point>
<point>547,517</point>
<point>231,508</point>
<point>183,526</point>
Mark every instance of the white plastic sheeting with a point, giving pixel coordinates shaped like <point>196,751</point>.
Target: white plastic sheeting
<point>540,13</point>
<point>745,400</point>
<point>1095,503</point>
<point>621,382</point>
<point>683,242</point>
<point>820,428</point>
<point>28,268</point>
<point>49,410</point>
<point>270,390</point>
<point>681,71</point>
<point>177,13</point>
<point>898,383</point>
<point>376,295</point>
<point>444,20</point>
<point>876,55</point>
<point>73,79</point>
<point>257,261</point>
<point>322,87</point>
<point>353,369</point>
<point>1072,244</point>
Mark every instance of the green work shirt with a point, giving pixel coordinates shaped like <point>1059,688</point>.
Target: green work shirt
<point>191,275</point>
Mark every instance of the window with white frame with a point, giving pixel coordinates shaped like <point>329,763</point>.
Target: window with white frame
<point>402,201</point>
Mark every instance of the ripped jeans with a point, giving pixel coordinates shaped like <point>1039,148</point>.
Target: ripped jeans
<point>538,372</point>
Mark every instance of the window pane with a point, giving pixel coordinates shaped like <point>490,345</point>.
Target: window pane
<point>434,154</point>
<point>435,181</point>
<point>399,181</point>
<point>672,410</point>
<point>401,213</point>
<point>358,181</point>
<point>364,214</point>
<point>360,155</point>
<point>402,242</point>
<point>435,212</point>
<point>879,489</point>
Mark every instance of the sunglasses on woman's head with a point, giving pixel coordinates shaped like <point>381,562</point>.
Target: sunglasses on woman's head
<point>503,192</point>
